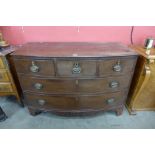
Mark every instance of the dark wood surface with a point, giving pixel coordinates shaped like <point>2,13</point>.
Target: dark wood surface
<point>73,102</point>
<point>74,49</point>
<point>46,67</point>
<point>92,67</point>
<point>70,85</point>
<point>61,89</point>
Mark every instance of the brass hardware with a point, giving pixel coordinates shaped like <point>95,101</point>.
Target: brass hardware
<point>34,68</point>
<point>38,86</point>
<point>111,100</point>
<point>76,68</point>
<point>114,84</point>
<point>41,102</point>
<point>117,67</point>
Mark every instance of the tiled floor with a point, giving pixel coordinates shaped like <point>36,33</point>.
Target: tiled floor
<point>19,117</point>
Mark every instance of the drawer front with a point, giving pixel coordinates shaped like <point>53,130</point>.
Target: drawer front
<point>47,85</point>
<point>116,66</point>
<point>75,68</point>
<point>51,102</point>
<point>1,64</point>
<point>103,101</point>
<point>35,67</point>
<point>109,84</point>
<point>4,76</point>
<point>6,87</point>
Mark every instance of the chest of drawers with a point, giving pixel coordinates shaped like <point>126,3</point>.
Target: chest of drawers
<point>74,78</point>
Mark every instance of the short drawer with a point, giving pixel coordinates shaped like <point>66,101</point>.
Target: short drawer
<point>76,68</point>
<point>35,67</point>
<point>71,102</point>
<point>6,87</point>
<point>109,84</point>
<point>4,76</point>
<point>1,63</point>
<point>116,66</point>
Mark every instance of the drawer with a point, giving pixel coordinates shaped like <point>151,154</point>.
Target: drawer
<point>109,84</point>
<point>116,66</point>
<point>6,87</point>
<point>76,68</point>
<point>4,76</point>
<point>1,63</point>
<point>35,67</point>
<point>70,102</point>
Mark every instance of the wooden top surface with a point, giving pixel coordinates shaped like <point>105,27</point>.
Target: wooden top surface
<point>148,54</point>
<point>73,49</point>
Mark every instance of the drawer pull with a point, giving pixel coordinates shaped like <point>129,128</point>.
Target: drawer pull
<point>111,100</point>
<point>114,84</point>
<point>41,102</point>
<point>76,68</point>
<point>117,67</point>
<point>38,86</point>
<point>34,68</point>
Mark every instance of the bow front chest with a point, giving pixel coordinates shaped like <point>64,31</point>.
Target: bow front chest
<point>74,78</point>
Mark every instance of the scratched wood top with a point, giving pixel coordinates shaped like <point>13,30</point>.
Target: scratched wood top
<point>73,49</point>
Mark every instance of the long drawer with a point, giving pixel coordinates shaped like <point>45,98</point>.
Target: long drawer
<point>70,102</point>
<point>46,85</point>
<point>75,67</point>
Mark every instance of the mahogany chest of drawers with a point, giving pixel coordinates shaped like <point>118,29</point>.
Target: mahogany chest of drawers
<point>74,78</point>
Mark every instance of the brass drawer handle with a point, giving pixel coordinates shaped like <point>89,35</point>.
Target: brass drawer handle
<point>110,100</point>
<point>34,68</point>
<point>117,67</point>
<point>41,102</point>
<point>76,68</point>
<point>114,84</point>
<point>38,86</point>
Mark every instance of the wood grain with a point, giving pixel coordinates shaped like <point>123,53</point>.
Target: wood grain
<point>70,102</point>
<point>8,84</point>
<point>141,95</point>
<point>69,85</point>
<point>75,77</point>
<point>73,49</point>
